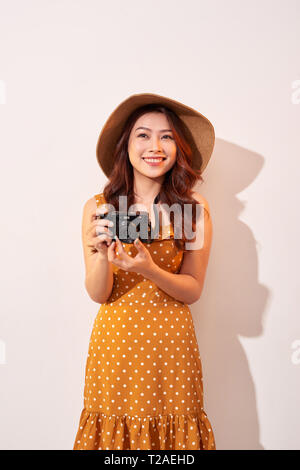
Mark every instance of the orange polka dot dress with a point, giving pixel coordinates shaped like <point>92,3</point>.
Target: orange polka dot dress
<point>143,377</point>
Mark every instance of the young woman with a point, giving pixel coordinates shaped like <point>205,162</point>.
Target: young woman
<point>143,378</point>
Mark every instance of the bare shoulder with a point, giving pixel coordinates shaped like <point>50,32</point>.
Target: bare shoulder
<point>201,200</point>
<point>90,207</point>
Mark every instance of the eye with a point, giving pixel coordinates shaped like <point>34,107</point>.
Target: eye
<point>166,135</point>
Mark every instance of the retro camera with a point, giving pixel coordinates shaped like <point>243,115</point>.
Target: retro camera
<point>128,226</point>
<point>131,225</point>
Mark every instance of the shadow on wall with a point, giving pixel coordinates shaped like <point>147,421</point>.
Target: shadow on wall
<point>232,301</point>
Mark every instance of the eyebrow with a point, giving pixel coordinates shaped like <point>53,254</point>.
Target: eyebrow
<point>162,130</point>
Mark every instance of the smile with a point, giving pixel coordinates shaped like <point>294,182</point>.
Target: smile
<point>154,160</point>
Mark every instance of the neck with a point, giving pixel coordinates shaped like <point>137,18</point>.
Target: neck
<point>142,198</point>
<point>146,195</point>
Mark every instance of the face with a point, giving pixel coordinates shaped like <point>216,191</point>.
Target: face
<point>151,137</point>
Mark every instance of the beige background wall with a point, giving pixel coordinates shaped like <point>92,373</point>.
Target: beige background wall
<point>64,66</point>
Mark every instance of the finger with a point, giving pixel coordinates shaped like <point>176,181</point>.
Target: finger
<point>95,215</point>
<point>138,244</point>
<point>102,209</point>
<point>102,239</point>
<point>100,230</point>
<point>102,222</point>
<point>122,253</point>
<point>93,227</point>
<point>101,226</point>
<point>118,250</point>
<point>112,246</point>
<point>113,256</point>
<point>91,231</point>
<point>111,251</point>
<point>120,245</point>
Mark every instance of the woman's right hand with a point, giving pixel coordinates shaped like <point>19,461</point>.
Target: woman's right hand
<point>99,237</point>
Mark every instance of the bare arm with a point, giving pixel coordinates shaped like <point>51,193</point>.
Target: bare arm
<point>99,281</point>
<point>98,270</point>
<point>182,287</point>
<point>187,285</point>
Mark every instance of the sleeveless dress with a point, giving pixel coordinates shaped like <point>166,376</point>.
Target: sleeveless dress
<point>143,376</point>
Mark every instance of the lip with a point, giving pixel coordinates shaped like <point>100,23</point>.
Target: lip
<point>159,161</point>
<point>155,156</point>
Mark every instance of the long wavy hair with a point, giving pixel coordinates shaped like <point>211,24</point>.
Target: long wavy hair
<point>178,181</point>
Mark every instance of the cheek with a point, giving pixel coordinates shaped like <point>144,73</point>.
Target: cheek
<point>136,148</point>
<point>171,149</point>
<point>139,146</point>
<point>135,157</point>
<point>172,159</point>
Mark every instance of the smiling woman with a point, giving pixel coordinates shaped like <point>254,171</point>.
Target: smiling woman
<point>143,378</point>
<point>153,146</point>
<point>153,131</point>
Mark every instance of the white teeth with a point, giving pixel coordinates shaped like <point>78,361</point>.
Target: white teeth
<point>153,159</point>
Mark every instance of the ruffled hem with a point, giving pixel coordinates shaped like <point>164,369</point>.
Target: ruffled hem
<point>98,431</point>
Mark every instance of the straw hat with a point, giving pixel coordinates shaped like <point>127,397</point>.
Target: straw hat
<point>199,130</point>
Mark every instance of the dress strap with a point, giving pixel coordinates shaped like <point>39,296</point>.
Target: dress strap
<point>100,199</point>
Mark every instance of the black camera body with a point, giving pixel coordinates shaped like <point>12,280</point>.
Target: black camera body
<point>126,224</point>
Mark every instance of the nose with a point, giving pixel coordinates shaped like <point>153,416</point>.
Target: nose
<point>156,145</point>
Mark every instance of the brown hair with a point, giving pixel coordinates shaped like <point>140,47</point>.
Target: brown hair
<point>178,181</point>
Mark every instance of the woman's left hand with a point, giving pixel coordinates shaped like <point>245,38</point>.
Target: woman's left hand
<point>142,263</point>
